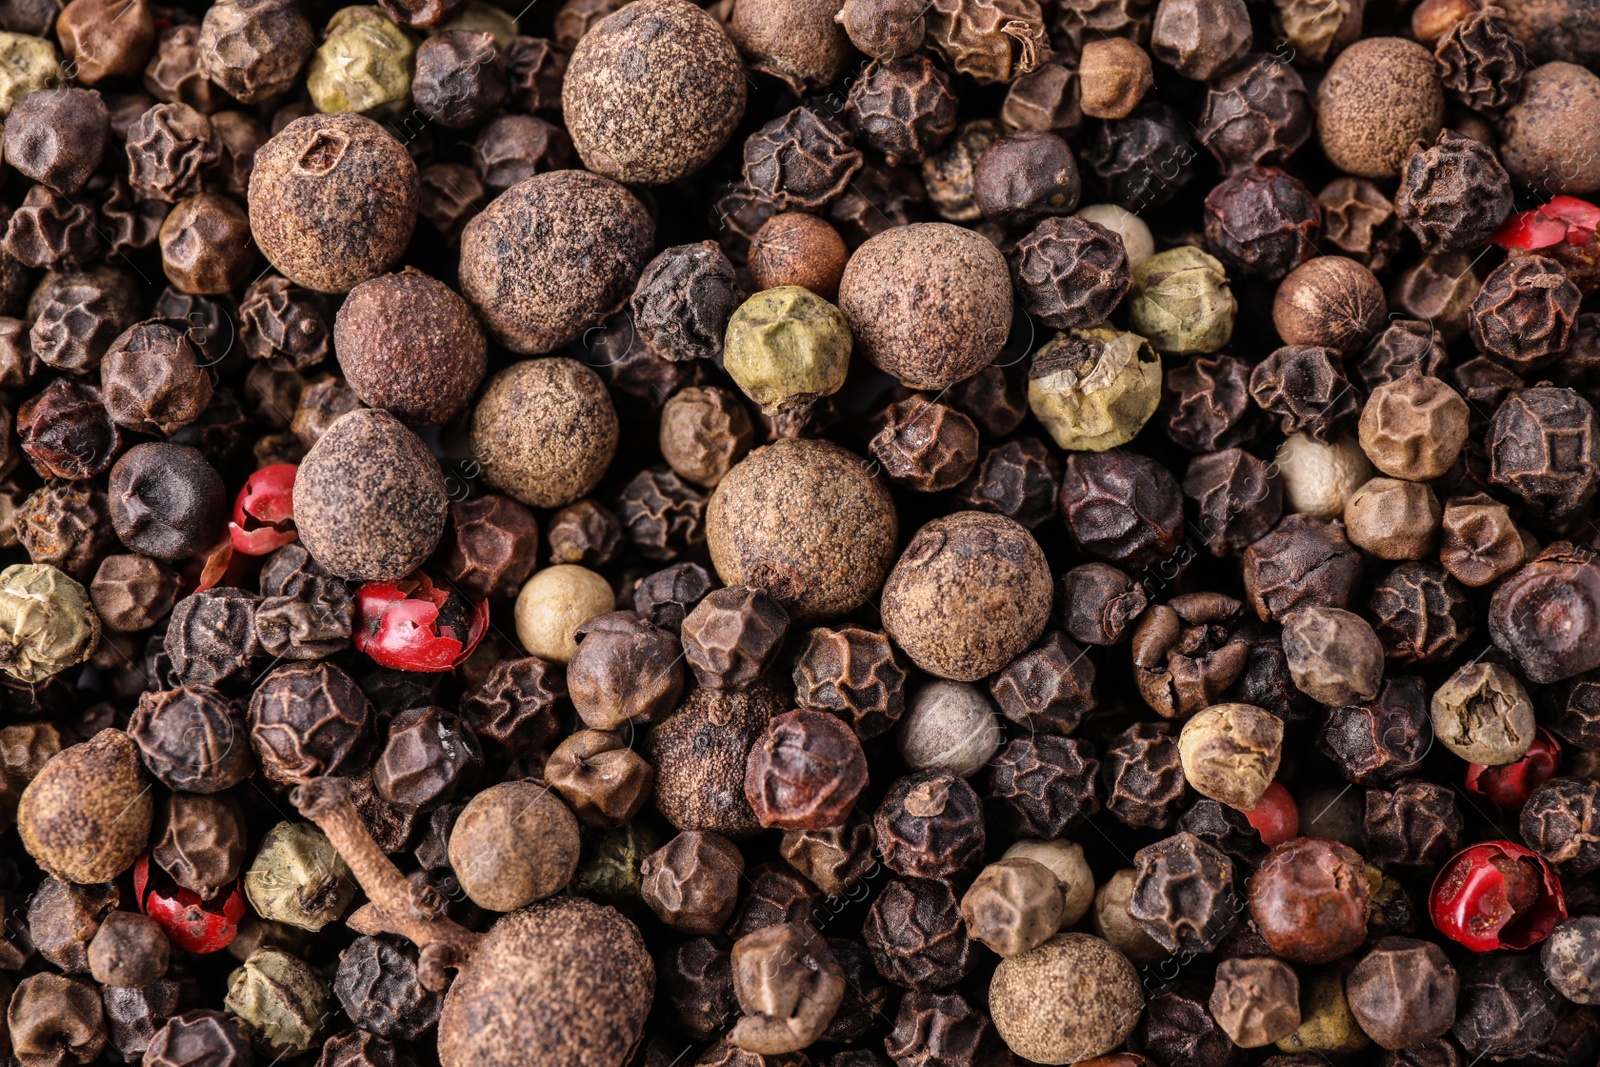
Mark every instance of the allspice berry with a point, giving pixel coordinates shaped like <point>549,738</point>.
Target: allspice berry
<point>544,431</point>
<point>86,816</point>
<point>1380,96</point>
<point>567,981</point>
<point>1230,753</point>
<point>971,592</point>
<point>1550,138</point>
<point>653,91</point>
<point>537,293</point>
<point>794,248</point>
<point>702,754</point>
<point>805,522</point>
<point>787,348</point>
<point>1069,1000</point>
<point>333,199</point>
<point>554,603</point>
<point>129,951</point>
<point>930,303</point>
<point>514,843</point>
<point>369,498</point>
<point>47,623</point>
<point>409,345</point>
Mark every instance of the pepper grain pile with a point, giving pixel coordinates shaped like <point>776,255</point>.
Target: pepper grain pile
<point>800,533</point>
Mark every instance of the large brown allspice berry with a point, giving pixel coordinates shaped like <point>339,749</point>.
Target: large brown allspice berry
<point>86,816</point>
<point>333,199</point>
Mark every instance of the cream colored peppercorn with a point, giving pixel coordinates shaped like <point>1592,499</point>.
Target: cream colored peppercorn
<point>1013,906</point>
<point>950,726</point>
<point>1319,479</point>
<point>1066,860</point>
<point>1230,753</point>
<point>1094,389</point>
<point>1483,714</point>
<point>553,604</point>
<point>27,64</point>
<point>1137,240</point>
<point>1414,427</point>
<point>787,347</point>
<point>1394,519</point>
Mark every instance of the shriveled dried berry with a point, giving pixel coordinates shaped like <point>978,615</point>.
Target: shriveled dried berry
<point>916,936</point>
<point>1017,479</point>
<point>1453,194</point>
<point>1123,507</point>
<point>1541,447</point>
<point>1262,221</point>
<point>1070,272</point>
<point>1045,787</point>
<point>902,107</point>
<point>1183,893</point>
<point>802,159</point>
<point>805,772</point>
<point>1524,313</point>
<point>926,445</point>
<point>1256,114</point>
<point>930,825</point>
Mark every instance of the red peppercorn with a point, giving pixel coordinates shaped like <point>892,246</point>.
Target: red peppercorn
<point>1564,218</point>
<point>263,514</point>
<point>1508,786</point>
<point>1496,894</point>
<point>1275,817</point>
<point>191,924</point>
<point>413,625</point>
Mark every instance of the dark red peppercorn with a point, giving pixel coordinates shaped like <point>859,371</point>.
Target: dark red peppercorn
<point>1496,894</point>
<point>930,825</point>
<point>66,432</point>
<point>1309,900</point>
<point>805,772</point>
<point>1508,786</point>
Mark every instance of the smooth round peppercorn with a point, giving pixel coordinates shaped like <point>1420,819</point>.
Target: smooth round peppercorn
<point>86,816</point>
<point>166,501</point>
<point>1071,999</point>
<point>949,726</point>
<point>129,951</point>
<point>535,296</point>
<point>794,248</point>
<point>1309,900</point>
<point>1330,302</point>
<point>1379,96</point>
<point>818,562</point>
<point>514,843</point>
<point>333,199</point>
<point>787,348</point>
<point>544,431</point>
<point>1320,479</point>
<point>553,604</point>
<point>1393,519</point>
<point>369,499</point>
<point>1230,753</point>
<point>653,93</point>
<point>970,592</point>
<point>929,303</point>
<point>1549,138</point>
<point>409,345</point>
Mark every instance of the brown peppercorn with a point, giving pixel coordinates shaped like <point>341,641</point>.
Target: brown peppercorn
<point>1414,427</point>
<point>969,593</point>
<point>1543,614</point>
<point>168,148</point>
<point>1309,900</point>
<point>1115,74</point>
<point>166,501</point>
<point>1403,993</point>
<point>1045,786</point>
<point>333,199</point>
<point>308,720</point>
<point>939,1028</point>
<point>1257,113</point>
<point>700,755</point>
<point>192,739</point>
<point>544,431</point>
<point>1560,821</point>
<point>819,563</point>
<point>1017,479</point>
<point>460,78</point>
<point>1453,194</point>
<point>964,35</point>
<point>86,816</point>
<point>1024,177</point>
<point>78,314</point>
<point>49,230</point>
<point>369,499</point>
<point>1302,561</point>
<point>788,983</point>
<point>1256,1000</point>
<point>683,300</point>
<point>805,772</point>
<point>1548,139</point>
<point>128,951</point>
<point>834,859</point>
<point>925,445</point>
<point>55,1020</point>
<point>929,825</point>
<point>1199,40</point>
<point>444,349</point>
<point>1525,311</point>
<point>794,248</point>
<point>1188,651</point>
<point>105,38</point>
<point>1413,826</point>
<point>884,29</point>
<point>1013,906</point>
<point>705,430</point>
<point>1393,519</point>
<point>254,49</point>
<point>428,753</point>
<point>63,918</point>
<point>902,107</point>
<point>731,637</point>
<point>1123,507</point>
<point>489,548</point>
<point>852,673</point>
<point>1230,752</point>
<point>206,245</point>
<point>661,514</point>
<point>57,137</point>
<point>1329,301</point>
<point>604,782</point>
<point>1207,401</point>
<point>1541,447</point>
<point>954,328</point>
<point>1334,656</point>
<point>1049,688</point>
<point>1238,498</point>
<point>622,124</point>
<point>1379,96</point>
<point>513,844</point>
<point>1480,543</point>
<point>625,670</point>
<point>1358,219</point>
<point>1305,386</point>
<point>1183,893</point>
<point>801,159</point>
<point>201,843</point>
<point>584,533</point>
<point>692,883</point>
<point>132,593</point>
<point>151,380</point>
<point>1262,221</point>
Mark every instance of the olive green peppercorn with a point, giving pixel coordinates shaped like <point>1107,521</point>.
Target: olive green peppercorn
<point>1181,302</point>
<point>786,348</point>
<point>27,64</point>
<point>1483,714</point>
<point>282,1000</point>
<point>364,64</point>
<point>544,431</point>
<point>298,878</point>
<point>46,622</point>
<point>1094,389</point>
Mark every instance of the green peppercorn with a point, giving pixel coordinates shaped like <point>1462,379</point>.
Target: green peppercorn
<point>609,865</point>
<point>26,64</point>
<point>282,1001</point>
<point>1094,389</point>
<point>365,64</point>
<point>298,878</point>
<point>786,347</point>
<point>1181,302</point>
<point>46,622</point>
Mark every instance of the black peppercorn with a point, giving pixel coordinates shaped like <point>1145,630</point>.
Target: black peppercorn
<point>66,432</point>
<point>1561,823</point>
<point>916,936</point>
<point>377,985</point>
<point>166,501</point>
<point>1412,825</point>
<point>192,739</point>
<point>929,825</point>
<point>1123,507</point>
<point>1070,272</point>
<point>212,636</point>
<point>1453,194</point>
<point>903,107</point>
<point>1262,221</point>
<point>309,719</point>
<point>57,137</point>
<point>1184,894</point>
<point>802,159</point>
